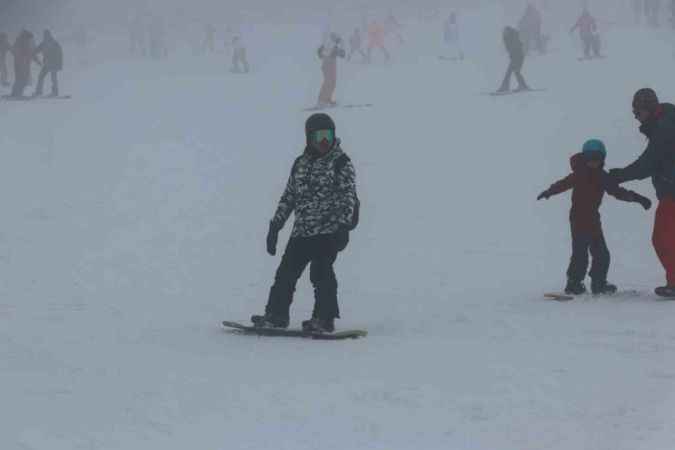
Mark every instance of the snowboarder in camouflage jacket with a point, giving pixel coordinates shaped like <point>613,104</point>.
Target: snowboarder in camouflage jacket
<point>321,191</point>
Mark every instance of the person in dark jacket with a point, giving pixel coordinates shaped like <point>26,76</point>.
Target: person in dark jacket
<point>321,191</point>
<point>658,162</point>
<point>23,51</point>
<point>514,48</point>
<point>530,30</point>
<point>589,183</point>
<point>52,63</point>
<point>328,54</point>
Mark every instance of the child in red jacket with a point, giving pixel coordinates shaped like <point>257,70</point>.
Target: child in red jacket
<point>589,181</point>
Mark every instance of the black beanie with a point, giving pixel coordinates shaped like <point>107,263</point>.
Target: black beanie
<point>645,99</point>
<point>319,121</point>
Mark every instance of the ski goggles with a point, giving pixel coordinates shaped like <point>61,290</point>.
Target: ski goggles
<point>321,135</point>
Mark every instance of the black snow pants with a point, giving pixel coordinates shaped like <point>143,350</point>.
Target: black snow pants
<point>582,243</point>
<point>41,81</point>
<point>320,252</point>
<point>515,67</point>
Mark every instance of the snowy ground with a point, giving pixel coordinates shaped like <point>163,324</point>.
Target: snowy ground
<point>134,222</point>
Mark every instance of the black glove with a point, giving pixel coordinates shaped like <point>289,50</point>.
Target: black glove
<point>544,194</point>
<point>341,239</point>
<point>272,238</point>
<point>644,201</point>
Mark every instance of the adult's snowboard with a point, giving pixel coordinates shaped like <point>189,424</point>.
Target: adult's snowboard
<point>261,331</point>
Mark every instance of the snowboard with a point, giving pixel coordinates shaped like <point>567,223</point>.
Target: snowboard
<point>293,332</point>
<point>26,98</point>
<point>583,58</point>
<point>562,297</point>
<point>514,92</point>
<point>347,105</point>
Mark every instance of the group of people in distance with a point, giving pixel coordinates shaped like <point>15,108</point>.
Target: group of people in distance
<point>48,54</point>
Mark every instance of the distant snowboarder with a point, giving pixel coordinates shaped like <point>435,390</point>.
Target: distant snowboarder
<point>356,45</point>
<point>328,54</point>
<point>23,51</point>
<point>530,29</point>
<point>451,37</point>
<point>5,48</point>
<point>321,191</point>
<point>516,52</point>
<point>392,27</point>
<point>376,37</point>
<point>588,31</point>
<point>658,162</point>
<point>239,57</point>
<point>589,182</point>
<point>52,63</point>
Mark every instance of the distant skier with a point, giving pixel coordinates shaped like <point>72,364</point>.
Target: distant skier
<point>209,44</point>
<point>514,48</point>
<point>5,48</point>
<point>451,37</point>
<point>392,27</point>
<point>589,182</point>
<point>239,57</point>
<point>658,162</point>
<point>329,53</point>
<point>588,31</point>
<point>356,45</point>
<point>652,12</point>
<point>530,29</point>
<point>321,191</point>
<point>638,11</point>
<point>52,63</point>
<point>23,51</point>
<point>376,37</point>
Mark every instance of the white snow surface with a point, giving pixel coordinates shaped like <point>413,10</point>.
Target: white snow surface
<point>134,220</point>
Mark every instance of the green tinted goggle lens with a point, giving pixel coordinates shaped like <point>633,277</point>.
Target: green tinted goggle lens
<point>320,135</point>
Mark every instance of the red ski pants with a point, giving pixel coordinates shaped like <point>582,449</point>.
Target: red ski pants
<point>664,237</point>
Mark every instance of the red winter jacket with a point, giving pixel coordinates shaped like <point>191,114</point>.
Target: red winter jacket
<point>588,188</point>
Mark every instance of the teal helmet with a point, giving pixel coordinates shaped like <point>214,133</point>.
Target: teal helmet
<point>595,148</point>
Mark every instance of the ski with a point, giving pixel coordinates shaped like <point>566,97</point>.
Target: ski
<point>263,331</point>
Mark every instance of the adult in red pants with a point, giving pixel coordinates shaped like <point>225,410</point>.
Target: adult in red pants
<point>657,162</point>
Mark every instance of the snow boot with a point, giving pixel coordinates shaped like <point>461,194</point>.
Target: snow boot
<point>316,325</point>
<point>602,288</point>
<point>575,288</point>
<point>665,291</point>
<point>270,321</point>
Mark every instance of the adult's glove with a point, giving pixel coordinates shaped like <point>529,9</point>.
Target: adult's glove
<point>341,239</point>
<point>272,238</point>
<point>544,194</point>
<point>644,202</point>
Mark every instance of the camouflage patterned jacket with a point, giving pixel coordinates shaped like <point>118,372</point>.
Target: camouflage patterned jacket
<point>323,200</point>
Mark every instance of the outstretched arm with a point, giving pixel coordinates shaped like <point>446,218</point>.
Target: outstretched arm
<point>625,195</point>
<point>558,187</point>
<point>645,166</point>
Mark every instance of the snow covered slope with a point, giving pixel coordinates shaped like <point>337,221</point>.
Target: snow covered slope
<point>134,218</point>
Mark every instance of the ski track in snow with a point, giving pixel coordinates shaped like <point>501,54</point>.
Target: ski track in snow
<point>134,222</point>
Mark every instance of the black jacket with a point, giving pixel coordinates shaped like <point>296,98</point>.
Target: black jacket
<point>52,54</point>
<point>658,160</point>
<point>514,46</point>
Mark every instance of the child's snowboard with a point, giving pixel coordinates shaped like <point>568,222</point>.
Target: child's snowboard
<point>261,331</point>
<point>338,105</point>
<point>513,92</point>
<point>562,297</point>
